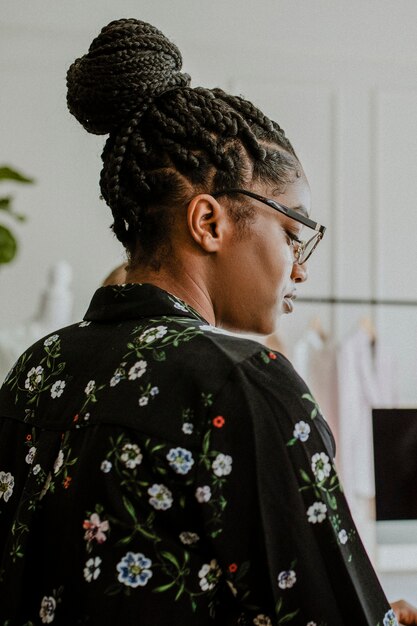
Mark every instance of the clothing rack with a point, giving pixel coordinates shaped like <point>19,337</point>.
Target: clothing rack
<point>358,301</point>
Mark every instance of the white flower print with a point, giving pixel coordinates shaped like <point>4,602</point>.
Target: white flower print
<point>316,513</point>
<point>301,431</point>
<point>84,324</point>
<point>92,569</point>
<point>287,579</point>
<point>58,462</point>
<point>116,378</point>
<point>222,465</point>
<point>390,619</point>
<point>180,307</point>
<point>30,455</point>
<point>311,624</point>
<point>203,494</point>
<point>34,377</point>
<point>343,536</point>
<point>36,469</point>
<point>161,497</point>
<point>6,485</point>
<point>57,388</point>
<point>262,620</point>
<point>131,455</point>
<point>188,538</point>
<point>187,428</point>
<point>134,570</point>
<point>143,401</point>
<point>150,335</point>
<point>90,387</point>
<point>209,575</point>
<point>181,460</point>
<point>320,466</point>
<point>106,466</point>
<point>47,611</point>
<point>137,370</point>
<point>154,391</point>
<point>50,340</point>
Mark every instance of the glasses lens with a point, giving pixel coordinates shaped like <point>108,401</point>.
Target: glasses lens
<point>309,248</point>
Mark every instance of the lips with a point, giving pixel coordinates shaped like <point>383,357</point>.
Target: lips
<point>289,302</point>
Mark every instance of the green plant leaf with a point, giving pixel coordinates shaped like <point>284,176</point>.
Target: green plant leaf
<point>5,202</point>
<point>146,533</point>
<point>278,606</point>
<point>291,442</point>
<point>6,205</point>
<point>8,173</point>
<point>130,508</point>
<point>163,588</point>
<point>180,592</point>
<point>289,617</point>
<point>171,558</point>
<point>8,245</point>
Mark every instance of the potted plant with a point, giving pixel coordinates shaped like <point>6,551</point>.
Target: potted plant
<point>8,242</point>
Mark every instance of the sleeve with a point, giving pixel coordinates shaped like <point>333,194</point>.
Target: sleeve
<point>274,509</point>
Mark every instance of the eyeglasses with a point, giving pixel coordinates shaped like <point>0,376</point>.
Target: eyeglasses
<point>302,249</point>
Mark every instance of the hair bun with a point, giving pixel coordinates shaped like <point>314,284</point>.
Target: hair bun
<point>127,65</point>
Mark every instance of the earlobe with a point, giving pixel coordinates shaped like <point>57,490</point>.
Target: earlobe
<point>206,222</point>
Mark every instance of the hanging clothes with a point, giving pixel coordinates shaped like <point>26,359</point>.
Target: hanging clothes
<point>54,311</point>
<point>314,358</point>
<point>365,372</point>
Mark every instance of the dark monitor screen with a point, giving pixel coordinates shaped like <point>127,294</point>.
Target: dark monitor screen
<point>395,462</point>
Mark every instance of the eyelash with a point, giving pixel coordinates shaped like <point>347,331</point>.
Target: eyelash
<point>293,238</point>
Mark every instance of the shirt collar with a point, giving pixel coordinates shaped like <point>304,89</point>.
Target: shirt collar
<point>132,301</point>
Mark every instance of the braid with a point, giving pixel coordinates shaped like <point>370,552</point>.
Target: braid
<point>126,65</point>
<point>167,140</point>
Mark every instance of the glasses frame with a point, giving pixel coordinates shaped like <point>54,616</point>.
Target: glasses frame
<point>284,210</point>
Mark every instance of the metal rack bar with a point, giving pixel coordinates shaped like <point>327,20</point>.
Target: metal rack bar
<point>357,301</point>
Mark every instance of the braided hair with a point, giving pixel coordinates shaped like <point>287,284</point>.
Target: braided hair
<point>167,141</point>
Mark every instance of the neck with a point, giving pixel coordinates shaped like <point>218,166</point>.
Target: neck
<point>189,287</point>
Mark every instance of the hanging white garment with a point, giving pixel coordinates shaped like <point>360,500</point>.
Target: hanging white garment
<point>55,311</point>
<point>314,358</point>
<point>365,381</point>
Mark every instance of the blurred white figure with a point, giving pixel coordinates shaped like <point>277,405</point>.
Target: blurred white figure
<point>54,311</point>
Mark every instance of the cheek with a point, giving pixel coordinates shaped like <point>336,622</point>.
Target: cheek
<point>280,262</point>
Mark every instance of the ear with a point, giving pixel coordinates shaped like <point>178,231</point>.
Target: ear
<point>208,222</point>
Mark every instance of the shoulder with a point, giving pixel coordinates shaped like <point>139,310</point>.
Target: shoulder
<point>224,355</point>
<point>266,387</point>
<point>249,368</point>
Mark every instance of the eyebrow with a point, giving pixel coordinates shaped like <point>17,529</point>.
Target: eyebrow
<point>300,208</point>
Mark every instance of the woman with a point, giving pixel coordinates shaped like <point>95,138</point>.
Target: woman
<point>155,469</point>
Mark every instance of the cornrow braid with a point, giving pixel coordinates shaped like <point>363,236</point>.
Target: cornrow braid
<point>167,141</point>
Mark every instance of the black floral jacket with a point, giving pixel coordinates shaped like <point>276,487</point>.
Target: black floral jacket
<point>155,470</point>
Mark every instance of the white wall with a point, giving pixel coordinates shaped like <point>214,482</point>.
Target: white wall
<point>340,77</point>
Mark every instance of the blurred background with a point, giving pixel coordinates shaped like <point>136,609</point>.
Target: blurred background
<point>341,79</point>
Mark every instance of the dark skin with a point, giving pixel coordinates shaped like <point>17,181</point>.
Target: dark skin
<point>239,282</point>
<point>406,613</point>
<point>116,277</point>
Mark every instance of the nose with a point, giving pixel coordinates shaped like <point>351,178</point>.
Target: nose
<point>299,273</point>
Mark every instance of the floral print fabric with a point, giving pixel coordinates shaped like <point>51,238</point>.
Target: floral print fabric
<point>155,470</point>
